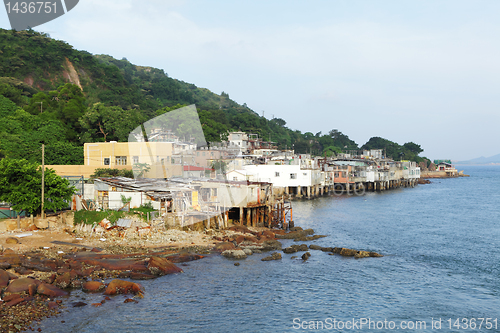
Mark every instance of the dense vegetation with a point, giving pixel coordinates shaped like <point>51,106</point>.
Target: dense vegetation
<point>39,104</point>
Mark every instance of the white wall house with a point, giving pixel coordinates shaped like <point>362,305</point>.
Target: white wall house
<point>286,175</point>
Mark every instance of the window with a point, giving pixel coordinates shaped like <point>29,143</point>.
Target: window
<point>135,159</point>
<point>214,192</point>
<point>304,173</point>
<point>106,161</point>
<point>121,160</point>
<point>235,178</point>
<point>276,174</point>
<point>293,176</point>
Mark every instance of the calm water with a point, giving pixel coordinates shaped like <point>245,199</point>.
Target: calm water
<point>441,244</point>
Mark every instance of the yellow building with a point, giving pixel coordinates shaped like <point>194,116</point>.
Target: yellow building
<point>111,154</point>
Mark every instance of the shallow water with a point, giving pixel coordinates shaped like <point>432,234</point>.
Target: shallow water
<point>440,243</point>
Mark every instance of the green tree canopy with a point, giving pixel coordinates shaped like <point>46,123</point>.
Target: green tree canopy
<point>21,183</point>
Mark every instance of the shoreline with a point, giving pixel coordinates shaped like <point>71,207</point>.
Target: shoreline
<point>37,275</point>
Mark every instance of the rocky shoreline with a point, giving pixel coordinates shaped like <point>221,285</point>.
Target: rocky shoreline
<point>36,283</point>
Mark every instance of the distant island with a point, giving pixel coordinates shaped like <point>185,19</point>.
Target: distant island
<point>481,160</point>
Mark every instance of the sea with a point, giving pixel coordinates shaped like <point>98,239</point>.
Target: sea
<point>440,272</point>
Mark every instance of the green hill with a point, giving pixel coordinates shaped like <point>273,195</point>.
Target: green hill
<point>53,94</point>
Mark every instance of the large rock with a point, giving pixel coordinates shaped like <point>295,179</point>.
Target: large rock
<point>161,266</point>
<point>270,245</point>
<point>4,278</point>
<point>306,256</point>
<point>234,254</point>
<point>118,286</point>
<point>184,257</point>
<point>296,234</point>
<point>348,252</point>
<point>223,246</point>
<point>12,240</point>
<point>93,286</point>
<point>274,256</point>
<point>50,290</point>
<point>296,248</point>
<point>20,285</point>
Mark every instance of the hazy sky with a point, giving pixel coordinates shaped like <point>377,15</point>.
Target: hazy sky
<point>421,71</point>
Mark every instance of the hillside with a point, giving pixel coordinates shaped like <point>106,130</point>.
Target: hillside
<point>62,97</point>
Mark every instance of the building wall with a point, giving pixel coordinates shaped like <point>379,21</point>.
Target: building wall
<point>285,175</point>
<point>111,154</point>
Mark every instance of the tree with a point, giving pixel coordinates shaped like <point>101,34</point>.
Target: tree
<point>21,182</point>
<point>109,122</point>
<point>105,172</point>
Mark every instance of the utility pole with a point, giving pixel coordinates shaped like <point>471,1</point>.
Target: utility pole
<point>43,177</point>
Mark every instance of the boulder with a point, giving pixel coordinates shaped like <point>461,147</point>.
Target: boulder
<point>315,247</point>
<point>273,256</point>
<point>50,290</point>
<point>20,285</point>
<point>223,246</point>
<point>306,256</point>
<point>248,252</point>
<point>348,252</point>
<point>93,286</point>
<point>234,254</point>
<point>296,234</point>
<point>269,234</point>
<point>118,286</point>
<point>63,281</point>
<point>270,245</point>
<point>12,240</point>
<point>4,278</point>
<point>161,266</point>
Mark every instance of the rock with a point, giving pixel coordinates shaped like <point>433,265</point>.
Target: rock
<point>50,290</point>
<point>240,228</point>
<point>248,252</point>
<point>20,285</point>
<point>270,245</point>
<point>296,234</point>
<point>337,250</point>
<point>375,254</point>
<point>32,288</point>
<point>315,247</point>
<point>361,254</point>
<point>118,286</point>
<point>327,249</point>
<point>234,254</point>
<point>129,300</point>
<point>306,256</point>
<point>63,281</point>
<point>52,305</point>
<point>93,286</point>
<point>348,252</point>
<point>184,257</point>
<point>16,301</point>
<point>78,304</point>
<point>268,234</point>
<point>23,271</point>
<point>293,257</point>
<point>160,266</point>
<point>12,240</point>
<point>296,248</point>
<point>296,229</point>
<point>4,265</point>
<point>10,297</point>
<point>223,246</point>
<point>273,256</point>
<point>4,278</point>
<point>308,238</point>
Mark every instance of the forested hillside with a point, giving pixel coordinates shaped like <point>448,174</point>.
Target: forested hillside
<point>51,93</point>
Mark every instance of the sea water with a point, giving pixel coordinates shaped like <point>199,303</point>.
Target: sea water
<point>441,247</point>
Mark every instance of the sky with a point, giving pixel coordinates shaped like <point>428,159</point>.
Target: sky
<point>421,71</point>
